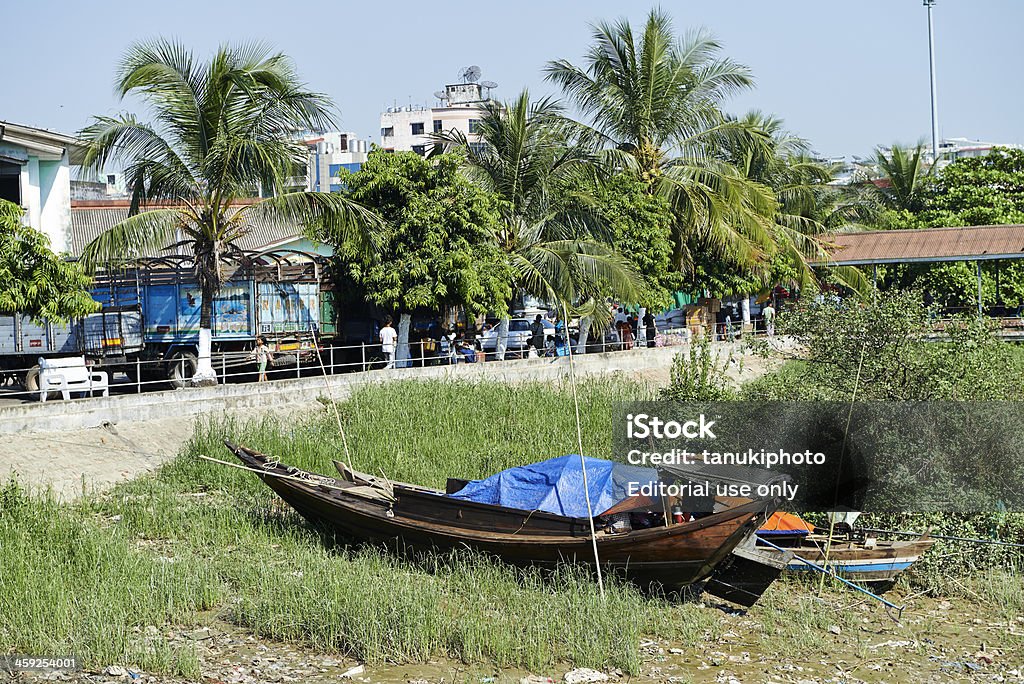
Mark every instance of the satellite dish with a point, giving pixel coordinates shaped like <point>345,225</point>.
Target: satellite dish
<point>488,84</point>
<point>441,95</point>
<point>471,74</point>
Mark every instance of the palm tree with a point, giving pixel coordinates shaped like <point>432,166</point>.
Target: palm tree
<point>808,208</point>
<point>654,102</point>
<point>902,177</point>
<point>555,246</point>
<point>222,131</point>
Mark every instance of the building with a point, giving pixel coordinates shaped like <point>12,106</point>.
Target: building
<point>951,149</point>
<point>35,174</point>
<point>329,153</point>
<point>408,129</point>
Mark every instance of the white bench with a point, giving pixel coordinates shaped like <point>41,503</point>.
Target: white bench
<point>69,375</point>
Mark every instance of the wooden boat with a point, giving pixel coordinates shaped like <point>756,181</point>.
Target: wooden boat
<point>851,554</point>
<point>364,508</point>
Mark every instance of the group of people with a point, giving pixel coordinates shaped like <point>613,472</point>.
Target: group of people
<point>628,328</point>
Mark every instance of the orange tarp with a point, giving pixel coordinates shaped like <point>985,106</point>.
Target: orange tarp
<point>786,522</point>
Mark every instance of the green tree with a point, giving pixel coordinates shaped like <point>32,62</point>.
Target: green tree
<point>653,102</point>
<point>903,178</point>
<point>986,190</point>
<point>436,250</point>
<point>34,280</point>
<point>554,243</point>
<point>222,131</point>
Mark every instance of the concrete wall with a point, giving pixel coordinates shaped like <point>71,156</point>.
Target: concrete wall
<point>85,413</point>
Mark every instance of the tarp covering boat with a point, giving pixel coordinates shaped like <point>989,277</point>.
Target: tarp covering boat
<point>786,524</point>
<point>556,486</point>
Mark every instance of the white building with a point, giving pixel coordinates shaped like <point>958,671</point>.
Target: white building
<point>951,149</point>
<point>329,152</point>
<point>35,174</point>
<point>408,129</point>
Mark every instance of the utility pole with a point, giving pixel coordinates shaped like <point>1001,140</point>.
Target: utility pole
<point>931,57</point>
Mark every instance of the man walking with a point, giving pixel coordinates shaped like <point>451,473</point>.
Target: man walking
<point>769,318</point>
<point>388,335</point>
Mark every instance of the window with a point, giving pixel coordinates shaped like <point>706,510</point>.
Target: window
<point>474,125</point>
<point>417,128</point>
<point>438,125</point>
<point>420,149</point>
<point>10,182</point>
<point>478,147</point>
<point>389,150</point>
<point>387,132</point>
<point>111,179</point>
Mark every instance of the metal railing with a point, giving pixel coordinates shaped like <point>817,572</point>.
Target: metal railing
<point>146,375</point>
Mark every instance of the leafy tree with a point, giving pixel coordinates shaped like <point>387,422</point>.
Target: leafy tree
<point>885,350</point>
<point>222,131</point>
<point>34,280</point>
<point>986,190</point>
<point>641,231</point>
<point>554,243</point>
<point>437,247</point>
<point>654,102</point>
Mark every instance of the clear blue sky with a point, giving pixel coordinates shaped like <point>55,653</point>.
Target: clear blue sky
<point>846,75</point>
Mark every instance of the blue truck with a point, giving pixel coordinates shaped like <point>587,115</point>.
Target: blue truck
<point>148,324</point>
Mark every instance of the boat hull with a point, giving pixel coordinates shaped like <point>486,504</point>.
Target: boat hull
<point>672,557</point>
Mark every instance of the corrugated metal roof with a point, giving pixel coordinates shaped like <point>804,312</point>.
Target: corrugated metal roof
<point>970,243</point>
<point>87,222</point>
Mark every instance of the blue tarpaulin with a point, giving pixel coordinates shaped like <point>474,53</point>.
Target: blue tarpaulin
<point>556,486</point>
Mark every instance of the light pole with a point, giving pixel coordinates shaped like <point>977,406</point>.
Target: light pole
<point>931,58</point>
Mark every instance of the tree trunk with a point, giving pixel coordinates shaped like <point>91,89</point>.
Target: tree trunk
<point>502,341</point>
<point>205,375</point>
<point>745,313</point>
<point>402,350</point>
<point>581,346</point>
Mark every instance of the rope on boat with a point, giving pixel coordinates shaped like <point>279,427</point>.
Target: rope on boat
<point>826,571</point>
<point>842,452</point>
<point>579,443</point>
<point>330,396</point>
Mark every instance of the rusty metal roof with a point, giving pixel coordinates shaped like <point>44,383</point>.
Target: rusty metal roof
<point>970,243</point>
<point>89,220</point>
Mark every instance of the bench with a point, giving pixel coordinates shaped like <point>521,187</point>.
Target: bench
<point>69,375</point>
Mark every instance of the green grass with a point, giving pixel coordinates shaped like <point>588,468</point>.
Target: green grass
<point>199,540</point>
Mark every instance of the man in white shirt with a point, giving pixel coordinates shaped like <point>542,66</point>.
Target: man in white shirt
<point>388,335</point>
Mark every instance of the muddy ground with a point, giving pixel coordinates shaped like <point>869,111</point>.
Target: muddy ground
<point>935,640</point>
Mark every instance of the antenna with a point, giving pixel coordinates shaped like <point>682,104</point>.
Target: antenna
<point>470,74</point>
<point>488,85</point>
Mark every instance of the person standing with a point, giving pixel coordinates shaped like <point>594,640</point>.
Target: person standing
<point>537,334</point>
<point>388,336</point>
<point>769,319</point>
<point>263,357</point>
<point>649,328</point>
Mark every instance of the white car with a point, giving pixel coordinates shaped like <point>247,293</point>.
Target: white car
<point>518,334</point>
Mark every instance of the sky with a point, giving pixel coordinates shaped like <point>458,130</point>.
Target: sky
<point>847,76</point>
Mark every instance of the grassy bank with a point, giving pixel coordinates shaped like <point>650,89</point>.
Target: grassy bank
<point>109,576</point>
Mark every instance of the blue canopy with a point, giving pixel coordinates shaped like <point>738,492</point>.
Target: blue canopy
<point>556,486</point>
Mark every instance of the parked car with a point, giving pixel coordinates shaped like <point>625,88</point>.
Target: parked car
<point>518,334</point>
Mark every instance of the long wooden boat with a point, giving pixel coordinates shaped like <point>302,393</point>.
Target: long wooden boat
<point>366,509</point>
<point>868,561</point>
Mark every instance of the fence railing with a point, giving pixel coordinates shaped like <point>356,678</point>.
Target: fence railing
<point>147,375</point>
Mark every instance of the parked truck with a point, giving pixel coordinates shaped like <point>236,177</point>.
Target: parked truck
<point>148,325</point>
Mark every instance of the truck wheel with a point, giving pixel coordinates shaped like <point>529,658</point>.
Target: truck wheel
<point>180,369</point>
<point>31,380</point>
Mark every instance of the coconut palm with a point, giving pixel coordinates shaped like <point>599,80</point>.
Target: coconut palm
<point>555,245</point>
<point>902,178</point>
<point>222,131</point>
<point>655,103</point>
<point>808,208</point>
